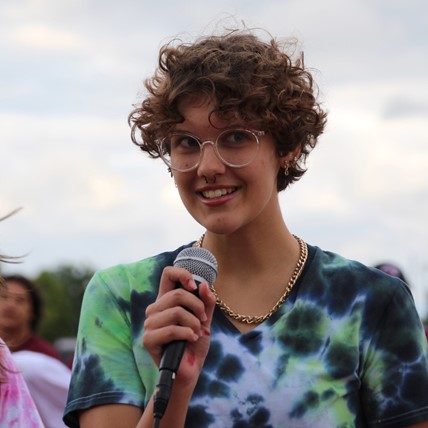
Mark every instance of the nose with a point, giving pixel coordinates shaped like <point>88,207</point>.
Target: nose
<point>210,164</point>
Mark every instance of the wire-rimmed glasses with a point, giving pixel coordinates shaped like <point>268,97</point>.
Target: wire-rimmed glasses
<point>237,148</point>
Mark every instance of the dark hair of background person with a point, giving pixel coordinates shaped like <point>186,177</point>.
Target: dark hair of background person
<point>35,297</point>
<point>236,70</point>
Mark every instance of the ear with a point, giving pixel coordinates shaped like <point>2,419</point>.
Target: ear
<point>290,157</point>
<point>295,154</point>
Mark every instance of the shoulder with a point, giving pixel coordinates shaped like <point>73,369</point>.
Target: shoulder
<point>127,280</point>
<point>148,266</point>
<point>343,282</point>
<point>38,344</point>
<point>36,363</point>
<point>328,265</point>
<point>376,306</point>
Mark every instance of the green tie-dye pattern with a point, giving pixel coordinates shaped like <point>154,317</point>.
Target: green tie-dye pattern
<point>345,350</point>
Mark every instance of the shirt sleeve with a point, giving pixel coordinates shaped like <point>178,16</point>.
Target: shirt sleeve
<point>394,387</point>
<point>104,349</point>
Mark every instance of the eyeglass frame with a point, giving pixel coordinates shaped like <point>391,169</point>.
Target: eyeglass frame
<point>214,143</point>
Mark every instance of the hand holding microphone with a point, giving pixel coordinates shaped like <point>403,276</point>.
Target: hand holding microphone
<point>186,324</point>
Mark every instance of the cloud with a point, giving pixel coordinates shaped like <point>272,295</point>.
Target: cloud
<point>72,69</point>
<point>406,105</point>
<point>42,38</point>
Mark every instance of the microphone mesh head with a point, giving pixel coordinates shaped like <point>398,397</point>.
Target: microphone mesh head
<point>199,262</point>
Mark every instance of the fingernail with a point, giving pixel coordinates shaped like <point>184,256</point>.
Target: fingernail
<point>204,317</point>
<point>192,284</point>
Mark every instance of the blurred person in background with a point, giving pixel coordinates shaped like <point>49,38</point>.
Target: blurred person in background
<point>33,380</point>
<point>17,408</point>
<point>20,314</point>
<point>393,270</point>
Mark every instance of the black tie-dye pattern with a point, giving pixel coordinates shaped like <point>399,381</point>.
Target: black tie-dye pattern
<point>345,350</point>
<point>252,341</point>
<point>138,306</point>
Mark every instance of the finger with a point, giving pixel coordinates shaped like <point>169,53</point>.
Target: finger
<point>155,340</point>
<point>209,300</point>
<point>178,298</point>
<point>172,276</point>
<point>173,316</point>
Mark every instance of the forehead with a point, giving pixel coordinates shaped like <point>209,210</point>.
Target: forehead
<point>15,288</point>
<point>199,111</point>
<point>195,101</point>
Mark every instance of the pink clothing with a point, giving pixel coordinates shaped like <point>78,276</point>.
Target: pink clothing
<point>17,408</point>
<point>47,380</point>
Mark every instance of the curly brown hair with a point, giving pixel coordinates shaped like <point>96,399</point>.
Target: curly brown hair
<point>243,75</point>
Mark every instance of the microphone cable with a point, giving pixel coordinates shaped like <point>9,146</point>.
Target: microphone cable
<point>156,422</point>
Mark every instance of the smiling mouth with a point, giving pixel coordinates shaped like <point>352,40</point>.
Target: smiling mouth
<point>212,194</point>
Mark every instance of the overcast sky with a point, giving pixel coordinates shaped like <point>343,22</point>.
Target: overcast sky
<point>70,71</point>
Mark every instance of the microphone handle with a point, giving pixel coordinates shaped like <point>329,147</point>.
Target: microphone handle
<point>171,358</point>
<point>168,367</point>
<point>172,354</point>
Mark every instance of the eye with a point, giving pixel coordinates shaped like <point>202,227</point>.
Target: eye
<point>236,138</point>
<point>183,142</point>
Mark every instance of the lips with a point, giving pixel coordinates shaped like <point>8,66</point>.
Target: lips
<point>217,193</point>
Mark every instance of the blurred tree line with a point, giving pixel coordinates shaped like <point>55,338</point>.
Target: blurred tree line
<point>62,292</point>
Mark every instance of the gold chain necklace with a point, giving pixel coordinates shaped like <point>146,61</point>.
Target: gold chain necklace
<point>257,319</point>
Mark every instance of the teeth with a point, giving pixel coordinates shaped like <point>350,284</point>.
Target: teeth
<point>211,194</point>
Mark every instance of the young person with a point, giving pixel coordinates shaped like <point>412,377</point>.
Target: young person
<point>289,335</point>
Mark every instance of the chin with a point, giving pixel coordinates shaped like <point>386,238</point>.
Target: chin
<point>220,229</point>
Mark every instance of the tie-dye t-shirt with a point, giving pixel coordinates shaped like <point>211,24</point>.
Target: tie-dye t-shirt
<point>17,408</point>
<point>346,349</point>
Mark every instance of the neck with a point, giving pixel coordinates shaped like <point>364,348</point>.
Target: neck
<point>255,277</point>
<point>15,338</point>
<point>253,249</point>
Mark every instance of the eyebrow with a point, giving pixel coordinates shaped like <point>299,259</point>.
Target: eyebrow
<point>15,294</point>
<point>219,130</point>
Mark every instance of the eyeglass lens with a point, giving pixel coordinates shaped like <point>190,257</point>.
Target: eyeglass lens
<point>235,148</point>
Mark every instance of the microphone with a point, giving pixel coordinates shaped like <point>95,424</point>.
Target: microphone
<point>203,267</point>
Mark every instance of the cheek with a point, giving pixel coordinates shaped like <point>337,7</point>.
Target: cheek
<point>182,185</point>
<point>265,173</point>
<point>185,191</point>
<point>182,180</point>
<point>26,311</point>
